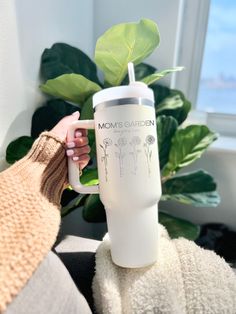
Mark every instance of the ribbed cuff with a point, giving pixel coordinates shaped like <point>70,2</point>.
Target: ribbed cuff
<point>45,165</point>
<point>46,147</point>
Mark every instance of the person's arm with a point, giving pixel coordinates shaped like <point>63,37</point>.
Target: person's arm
<point>30,193</point>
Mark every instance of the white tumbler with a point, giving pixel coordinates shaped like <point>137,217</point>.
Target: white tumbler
<point>128,170</point>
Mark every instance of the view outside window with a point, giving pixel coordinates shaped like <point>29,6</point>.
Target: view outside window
<point>217,90</point>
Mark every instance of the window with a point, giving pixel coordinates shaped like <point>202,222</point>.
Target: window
<point>206,45</point>
<point>217,88</point>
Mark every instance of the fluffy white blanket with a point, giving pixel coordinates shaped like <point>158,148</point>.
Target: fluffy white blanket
<point>185,279</point>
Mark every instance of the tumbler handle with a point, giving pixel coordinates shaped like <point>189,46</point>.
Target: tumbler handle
<point>73,169</point>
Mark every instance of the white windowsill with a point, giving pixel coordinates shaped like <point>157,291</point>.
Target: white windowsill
<point>224,144</point>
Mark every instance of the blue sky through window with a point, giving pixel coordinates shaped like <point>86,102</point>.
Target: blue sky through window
<point>217,90</point>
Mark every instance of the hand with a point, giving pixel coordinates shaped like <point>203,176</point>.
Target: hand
<point>77,149</point>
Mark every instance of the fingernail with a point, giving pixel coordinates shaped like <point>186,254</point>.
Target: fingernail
<point>75,158</point>
<point>69,152</point>
<point>78,134</point>
<point>70,144</point>
<point>75,113</point>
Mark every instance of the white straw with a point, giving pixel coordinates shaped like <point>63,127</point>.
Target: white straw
<point>131,72</point>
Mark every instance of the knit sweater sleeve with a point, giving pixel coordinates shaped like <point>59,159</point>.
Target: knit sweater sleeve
<point>30,192</point>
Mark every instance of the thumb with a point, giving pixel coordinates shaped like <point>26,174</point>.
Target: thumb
<point>61,128</point>
<point>69,119</point>
<point>75,115</point>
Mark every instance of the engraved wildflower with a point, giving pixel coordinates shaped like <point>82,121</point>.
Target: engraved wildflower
<point>120,154</point>
<point>122,141</point>
<point>107,141</point>
<point>150,139</point>
<point>136,140</point>
<point>134,143</point>
<point>104,158</point>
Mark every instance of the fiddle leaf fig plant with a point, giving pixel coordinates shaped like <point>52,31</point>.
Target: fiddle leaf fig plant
<point>70,78</point>
<point>124,43</point>
<point>188,144</point>
<point>196,188</point>
<point>72,87</point>
<point>152,78</point>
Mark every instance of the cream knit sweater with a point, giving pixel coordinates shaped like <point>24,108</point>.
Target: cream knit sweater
<point>30,194</point>
<point>185,280</point>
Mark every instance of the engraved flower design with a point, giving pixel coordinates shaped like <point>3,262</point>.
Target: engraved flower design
<point>107,141</point>
<point>150,139</point>
<point>134,143</point>
<point>104,158</point>
<point>120,154</point>
<point>122,141</point>
<point>136,140</point>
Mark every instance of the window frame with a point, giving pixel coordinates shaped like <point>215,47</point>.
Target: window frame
<point>190,43</point>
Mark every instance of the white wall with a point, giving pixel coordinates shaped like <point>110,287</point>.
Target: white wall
<point>26,29</point>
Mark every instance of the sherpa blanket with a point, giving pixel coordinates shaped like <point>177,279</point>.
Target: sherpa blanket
<point>185,279</point>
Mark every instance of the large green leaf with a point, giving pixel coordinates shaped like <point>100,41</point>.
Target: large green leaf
<point>166,128</point>
<point>196,188</point>
<point>178,227</point>
<point>89,177</point>
<point>47,116</point>
<point>93,210</point>
<point>160,93</point>
<point>18,148</point>
<point>201,199</point>
<point>64,59</point>
<point>72,87</point>
<point>141,70</point>
<point>87,112</point>
<point>152,78</point>
<point>123,43</point>
<point>73,205</point>
<point>93,151</point>
<point>92,143</point>
<point>188,145</point>
<point>169,103</point>
<point>180,111</point>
